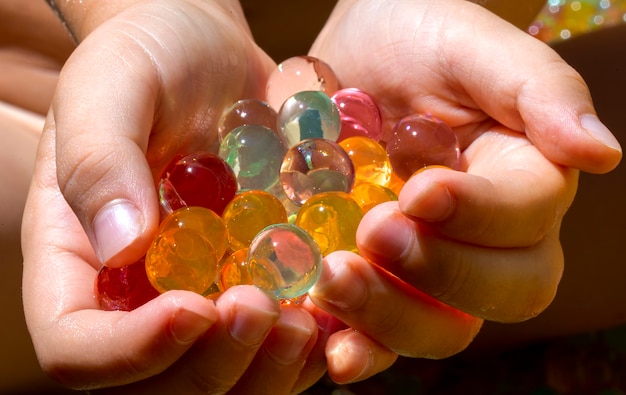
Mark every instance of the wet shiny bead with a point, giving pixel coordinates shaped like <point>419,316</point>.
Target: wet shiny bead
<point>421,140</point>
<point>249,213</point>
<point>306,115</point>
<point>395,183</point>
<point>284,260</point>
<point>124,288</point>
<point>331,219</point>
<point>368,195</point>
<point>360,116</point>
<point>369,158</point>
<point>315,166</point>
<point>234,270</point>
<point>255,154</point>
<point>246,112</point>
<point>186,251</point>
<point>199,179</point>
<point>297,74</point>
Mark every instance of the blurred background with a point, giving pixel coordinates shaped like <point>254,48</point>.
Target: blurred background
<point>590,35</point>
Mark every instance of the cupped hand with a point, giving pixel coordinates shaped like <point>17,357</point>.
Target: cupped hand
<point>480,243</point>
<point>179,341</point>
<point>144,85</point>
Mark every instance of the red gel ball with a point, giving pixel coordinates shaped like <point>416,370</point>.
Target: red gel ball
<point>199,179</point>
<point>124,288</point>
<point>418,141</point>
<point>359,114</point>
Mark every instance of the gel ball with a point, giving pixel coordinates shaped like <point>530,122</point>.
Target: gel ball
<point>124,288</point>
<point>297,74</point>
<point>255,154</point>
<point>370,160</point>
<point>249,213</point>
<point>418,141</point>
<point>199,179</point>
<point>234,270</point>
<point>284,260</point>
<point>186,251</point>
<point>315,166</point>
<point>369,195</point>
<point>246,112</point>
<point>331,219</point>
<point>359,114</point>
<point>308,115</point>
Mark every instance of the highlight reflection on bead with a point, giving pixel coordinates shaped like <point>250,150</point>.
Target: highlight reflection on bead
<point>418,141</point>
<point>315,166</point>
<point>298,74</point>
<point>370,160</point>
<point>359,114</point>
<point>307,115</point>
<point>369,195</point>
<point>186,251</point>
<point>246,112</point>
<point>249,213</point>
<point>284,260</point>
<point>255,153</point>
<point>332,219</point>
<point>199,179</point>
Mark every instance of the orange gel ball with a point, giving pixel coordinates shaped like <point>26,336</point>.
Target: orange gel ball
<point>186,251</point>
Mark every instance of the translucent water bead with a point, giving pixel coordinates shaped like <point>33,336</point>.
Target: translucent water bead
<point>306,115</point>
<point>297,74</point>
<point>315,166</point>
<point>199,179</point>
<point>332,219</point>
<point>418,141</point>
<point>255,154</point>
<point>284,260</point>
<point>246,112</point>
<point>185,254</point>
<point>249,213</point>
<point>360,116</point>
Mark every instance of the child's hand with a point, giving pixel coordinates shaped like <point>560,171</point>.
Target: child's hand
<point>483,240</point>
<point>147,83</point>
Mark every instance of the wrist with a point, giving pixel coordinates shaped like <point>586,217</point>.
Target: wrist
<point>81,17</point>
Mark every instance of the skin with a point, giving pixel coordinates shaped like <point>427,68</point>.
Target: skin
<point>488,131</point>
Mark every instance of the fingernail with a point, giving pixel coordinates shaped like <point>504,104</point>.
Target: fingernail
<point>186,326</point>
<point>116,226</point>
<point>287,342</point>
<point>599,132</point>
<point>433,203</point>
<point>249,325</point>
<point>340,286</point>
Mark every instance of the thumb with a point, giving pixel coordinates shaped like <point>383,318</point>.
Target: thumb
<point>537,93</point>
<point>102,132</point>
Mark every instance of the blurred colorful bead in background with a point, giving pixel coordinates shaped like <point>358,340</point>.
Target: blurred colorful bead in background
<point>563,19</point>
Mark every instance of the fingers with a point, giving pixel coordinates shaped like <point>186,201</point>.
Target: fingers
<point>218,360</point>
<point>561,120</point>
<point>353,356</point>
<point>221,356</point>
<point>510,196</point>
<point>123,347</point>
<point>277,366</point>
<point>316,362</point>
<point>390,312</point>
<point>515,79</point>
<point>498,284</point>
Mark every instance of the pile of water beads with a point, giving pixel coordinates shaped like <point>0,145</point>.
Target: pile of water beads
<point>286,188</point>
